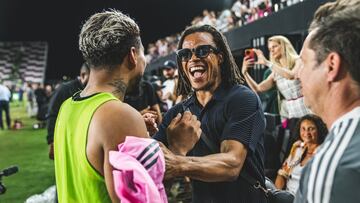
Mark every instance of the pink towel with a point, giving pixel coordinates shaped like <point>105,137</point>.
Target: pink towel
<point>139,170</point>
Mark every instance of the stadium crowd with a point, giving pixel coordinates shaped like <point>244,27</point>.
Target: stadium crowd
<point>242,12</point>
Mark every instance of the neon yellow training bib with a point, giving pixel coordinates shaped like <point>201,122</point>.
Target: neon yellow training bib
<point>76,179</point>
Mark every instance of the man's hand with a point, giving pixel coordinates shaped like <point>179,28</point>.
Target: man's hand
<point>248,62</point>
<point>148,110</point>
<point>183,133</point>
<point>261,58</point>
<point>150,122</point>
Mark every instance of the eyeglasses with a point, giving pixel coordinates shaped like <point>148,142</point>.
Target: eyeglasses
<point>201,51</point>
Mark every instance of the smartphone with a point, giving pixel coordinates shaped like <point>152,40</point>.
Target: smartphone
<point>250,53</point>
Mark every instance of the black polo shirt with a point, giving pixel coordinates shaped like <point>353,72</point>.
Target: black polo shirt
<point>63,92</point>
<point>233,113</point>
<point>141,99</point>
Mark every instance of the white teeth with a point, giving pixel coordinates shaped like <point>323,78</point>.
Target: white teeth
<point>193,69</point>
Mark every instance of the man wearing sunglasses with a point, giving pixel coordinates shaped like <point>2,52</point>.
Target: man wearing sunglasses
<point>232,123</point>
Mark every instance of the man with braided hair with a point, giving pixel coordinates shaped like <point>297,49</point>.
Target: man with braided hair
<point>231,118</point>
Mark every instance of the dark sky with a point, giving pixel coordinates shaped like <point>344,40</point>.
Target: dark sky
<point>58,23</point>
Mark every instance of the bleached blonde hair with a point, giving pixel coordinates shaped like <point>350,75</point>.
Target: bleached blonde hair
<point>106,38</point>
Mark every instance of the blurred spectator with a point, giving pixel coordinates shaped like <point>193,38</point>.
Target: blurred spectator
<point>5,96</point>
<point>209,18</point>
<point>31,100</point>
<point>41,100</point>
<point>162,45</point>
<point>48,90</point>
<point>168,70</point>
<point>172,43</point>
<point>264,8</point>
<point>311,132</point>
<point>63,92</point>
<point>196,21</point>
<point>42,95</point>
<point>159,95</point>
<point>225,21</point>
<point>21,92</point>
<point>152,53</point>
<point>253,15</point>
<point>292,2</point>
<point>240,10</point>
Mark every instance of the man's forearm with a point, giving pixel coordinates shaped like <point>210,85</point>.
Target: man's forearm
<point>211,168</point>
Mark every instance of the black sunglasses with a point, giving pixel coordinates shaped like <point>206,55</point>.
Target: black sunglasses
<point>201,51</point>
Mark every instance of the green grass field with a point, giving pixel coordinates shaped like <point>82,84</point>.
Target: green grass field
<point>26,148</point>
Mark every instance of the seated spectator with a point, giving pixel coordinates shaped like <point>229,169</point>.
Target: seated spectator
<point>312,132</point>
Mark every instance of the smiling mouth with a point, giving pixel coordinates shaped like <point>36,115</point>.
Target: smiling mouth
<point>197,71</point>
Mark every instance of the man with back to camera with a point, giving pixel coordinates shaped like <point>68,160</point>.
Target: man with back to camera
<point>63,92</point>
<point>95,120</point>
<point>330,79</point>
<point>231,118</point>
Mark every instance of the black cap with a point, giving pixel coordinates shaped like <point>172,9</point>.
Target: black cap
<point>169,64</point>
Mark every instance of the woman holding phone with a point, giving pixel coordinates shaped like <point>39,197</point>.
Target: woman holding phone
<point>284,63</point>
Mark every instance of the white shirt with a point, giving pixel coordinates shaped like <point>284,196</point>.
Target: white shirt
<point>292,184</point>
<point>169,87</point>
<point>5,93</point>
